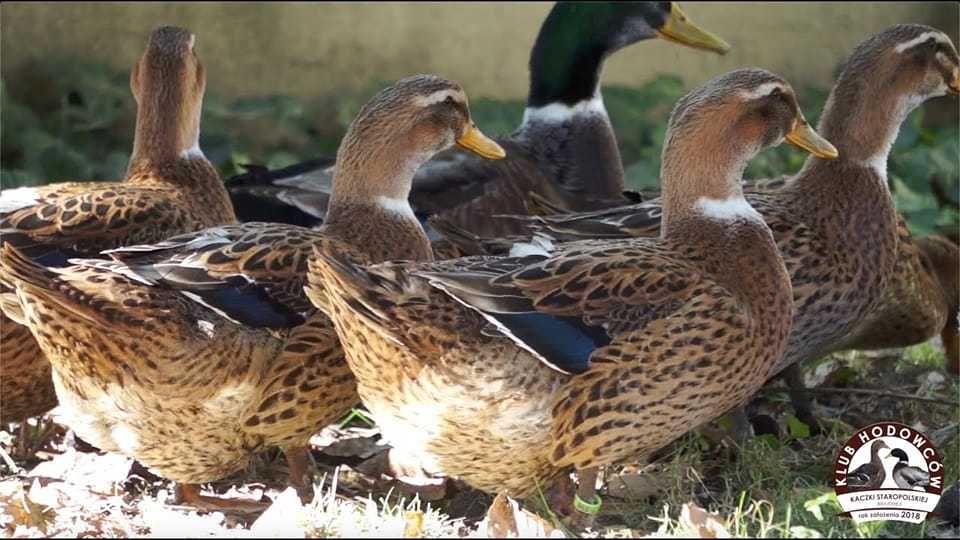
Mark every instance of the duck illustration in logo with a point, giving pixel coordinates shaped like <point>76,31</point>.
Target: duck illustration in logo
<point>870,475</point>
<point>907,476</point>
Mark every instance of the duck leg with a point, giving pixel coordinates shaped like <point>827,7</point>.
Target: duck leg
<point>298,463</point>
<point>951,344</point>
<point>801,399</point>
<point>742,429</point>
<point>558,496</point>
<point>586,501</point>
<point>23,435</point>
<point>189,494</point>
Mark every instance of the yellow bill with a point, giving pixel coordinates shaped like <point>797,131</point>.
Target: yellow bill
<point>953,87</point>
<point>475,141</point>
<point>803,136</point>
<point>679,29</point>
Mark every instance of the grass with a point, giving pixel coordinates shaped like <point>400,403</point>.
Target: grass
<point>770,492</point>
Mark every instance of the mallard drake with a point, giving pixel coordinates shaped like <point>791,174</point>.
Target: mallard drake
<point>565,143</point>
<point>822,215</point>
<point>871,474</point>
<point>506,371</point>
<point>213,351</point>
<point>169,188</point>
<point>907,476</point>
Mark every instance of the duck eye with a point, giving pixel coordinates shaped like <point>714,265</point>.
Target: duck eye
<point>449,100</point>
<point>776,92</point>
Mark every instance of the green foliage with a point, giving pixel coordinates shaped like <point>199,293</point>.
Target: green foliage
<point>65,119</point>
<point>796,428</point>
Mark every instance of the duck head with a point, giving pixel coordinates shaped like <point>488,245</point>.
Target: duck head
<point>399,129</point>
<point>885,78</point>
<point>715,130</point>
<point>576,37</point>
<point>620,24</point>
<point>168,82</point>
<point>900,455</point>
<point>877,447</point>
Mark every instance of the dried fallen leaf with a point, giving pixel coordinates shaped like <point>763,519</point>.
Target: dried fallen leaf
<point>24,511</point>
<point>361,447</point>
<point>413,527</point>
<point>505,519</point>
<point>701,524</point>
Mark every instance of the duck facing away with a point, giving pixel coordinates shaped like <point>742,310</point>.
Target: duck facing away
<point>170,188</point>
<point>213,351</point>
<point>507,371</point>
<point>834,221</point>
<point>565,147</point>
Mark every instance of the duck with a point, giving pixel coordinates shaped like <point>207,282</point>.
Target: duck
<point>169,188</point>
<point>907,476</point>
<point>871,474</point>
<point>213,352</point>
<point>921,300</point>
<point>564,148</point>
<point>821,216</point>
<point>506,372</point>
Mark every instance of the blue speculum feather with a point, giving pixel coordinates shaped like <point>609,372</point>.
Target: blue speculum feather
<point>54,259</point>
<point>250,306</point>
<point>565,342</point>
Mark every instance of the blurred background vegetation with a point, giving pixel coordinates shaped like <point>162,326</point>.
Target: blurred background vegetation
<point>67,119</point>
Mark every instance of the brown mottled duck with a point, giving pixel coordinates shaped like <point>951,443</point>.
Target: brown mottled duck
<point>170,188</point>
<point>506,372</point>
<point>213,351</point>
<point>834,221</point>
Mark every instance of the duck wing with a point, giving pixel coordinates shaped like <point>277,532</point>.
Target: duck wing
<point>252,273</point>
<point>908,477</point>
<point>864,475</point>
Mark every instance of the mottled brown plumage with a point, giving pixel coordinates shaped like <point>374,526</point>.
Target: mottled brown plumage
<point>919,302</point>
<point>212,351</point>
<point>834,221</point>
<point>25,384</point>
<point>507,371</point>
<point>170,188</point>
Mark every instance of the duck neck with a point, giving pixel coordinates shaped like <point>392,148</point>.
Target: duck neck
<point>565,122</point>
<point>369,207</point>
<point>706,217</point>
<point>849,196</point>
<point>166,151</point>
<point>701,178</point>
<point>866,142</point>
<point>167,129</point>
